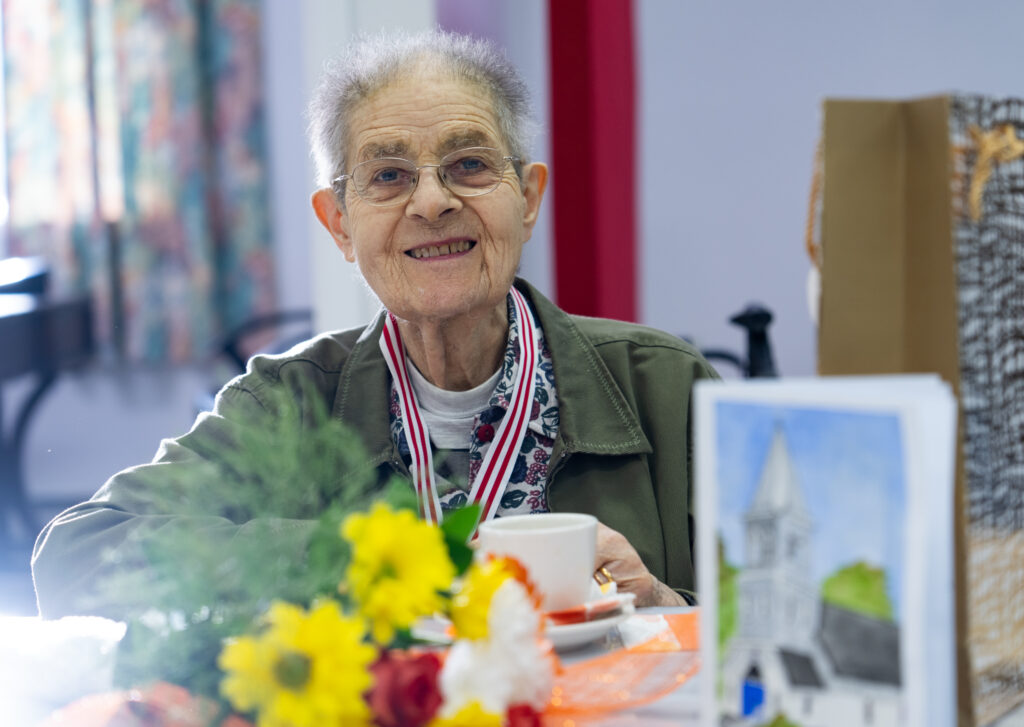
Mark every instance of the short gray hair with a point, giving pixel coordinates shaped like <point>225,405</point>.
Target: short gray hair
<point>373,62</point>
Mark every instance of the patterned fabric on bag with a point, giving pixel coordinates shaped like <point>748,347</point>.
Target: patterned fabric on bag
<point>988,195</point>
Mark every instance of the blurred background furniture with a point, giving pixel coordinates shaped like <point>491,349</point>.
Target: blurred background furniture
<point>269,333</point>
<point>41,338</point>
<point>758,361</point>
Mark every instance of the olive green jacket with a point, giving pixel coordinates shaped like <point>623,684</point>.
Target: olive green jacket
<point>623,451</point>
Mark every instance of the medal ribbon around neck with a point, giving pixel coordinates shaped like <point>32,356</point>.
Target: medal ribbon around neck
<point>500,460</point>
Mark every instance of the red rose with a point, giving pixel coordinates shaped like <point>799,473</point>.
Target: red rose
<point>405,692</point>
<point>522,715</point>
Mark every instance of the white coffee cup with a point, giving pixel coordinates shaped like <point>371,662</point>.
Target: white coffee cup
<point>557,549</point>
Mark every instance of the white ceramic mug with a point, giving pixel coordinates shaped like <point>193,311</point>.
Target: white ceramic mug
<point>557,549</point>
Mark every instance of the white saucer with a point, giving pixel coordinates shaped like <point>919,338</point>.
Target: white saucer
<point>436,630</point>
<point>573,636</point>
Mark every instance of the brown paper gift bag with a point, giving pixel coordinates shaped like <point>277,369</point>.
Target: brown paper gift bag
<point>922,270</point>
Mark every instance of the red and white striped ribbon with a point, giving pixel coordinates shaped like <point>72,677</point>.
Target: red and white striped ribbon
<point>500,460</point>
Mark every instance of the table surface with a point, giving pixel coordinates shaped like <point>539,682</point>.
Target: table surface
<point>39,644</point>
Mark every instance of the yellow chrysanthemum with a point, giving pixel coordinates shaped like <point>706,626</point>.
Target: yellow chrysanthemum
<point>399,564</point>
<point>248,663</point>
<point>472,602</point>
<point>471,715</point>
<point>304,670</point>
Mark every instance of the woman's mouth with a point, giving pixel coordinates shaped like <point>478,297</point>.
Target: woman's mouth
<point>447,248</point>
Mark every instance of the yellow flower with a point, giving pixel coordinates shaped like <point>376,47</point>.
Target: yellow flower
<point>471,715</point>
<point>399,565</point>
<point>472,602</point>
<point>248,663</point>
<point>304,670</point>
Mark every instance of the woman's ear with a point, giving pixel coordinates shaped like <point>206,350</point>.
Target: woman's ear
<point>535,181</point>
<point>334,220</point>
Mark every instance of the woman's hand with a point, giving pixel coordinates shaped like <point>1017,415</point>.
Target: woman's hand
<point>620,559</point>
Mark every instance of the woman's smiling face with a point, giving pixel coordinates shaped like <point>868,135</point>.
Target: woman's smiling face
<point>436,256</point>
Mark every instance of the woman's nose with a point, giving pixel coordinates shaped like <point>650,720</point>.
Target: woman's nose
<point>431,198</point>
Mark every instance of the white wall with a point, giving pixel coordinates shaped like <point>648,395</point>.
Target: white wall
<point>289,168</point>
<point>520,29</point>
<point>728,117</point>
<point>298,39</point>
<point>730,113</point>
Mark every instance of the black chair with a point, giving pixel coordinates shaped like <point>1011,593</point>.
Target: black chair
<point>758,362</point>
<point>234,345</point>
<point>270,333</point>
<point>41,338</point>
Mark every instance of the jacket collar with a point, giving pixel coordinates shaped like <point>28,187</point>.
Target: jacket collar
<point>594,416</point>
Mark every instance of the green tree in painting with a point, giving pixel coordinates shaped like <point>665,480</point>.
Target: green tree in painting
<point>859,587</point>
<point>728,598</point>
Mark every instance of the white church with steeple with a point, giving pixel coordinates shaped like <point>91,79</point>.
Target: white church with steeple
<point>777,599</point>
<point>792,654</point>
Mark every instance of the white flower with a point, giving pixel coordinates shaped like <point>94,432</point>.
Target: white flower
<point>508,667</point>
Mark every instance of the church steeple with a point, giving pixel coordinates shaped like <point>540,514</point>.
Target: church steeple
<point>777,595</point>
<point>778,490</point>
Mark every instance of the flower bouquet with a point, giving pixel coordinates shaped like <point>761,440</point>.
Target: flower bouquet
<point>299,606</point>
<point>351,657</point>
<point>330,666</point>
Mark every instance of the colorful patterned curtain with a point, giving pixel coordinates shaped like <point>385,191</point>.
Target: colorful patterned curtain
<point>136,163</point>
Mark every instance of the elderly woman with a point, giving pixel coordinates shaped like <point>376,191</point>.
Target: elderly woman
<point>469,383</point>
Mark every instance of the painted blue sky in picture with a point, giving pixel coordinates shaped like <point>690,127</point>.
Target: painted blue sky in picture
<point>850,470</point>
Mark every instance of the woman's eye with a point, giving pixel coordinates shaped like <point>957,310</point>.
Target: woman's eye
<point>389,175</point>
<point>468,166</point>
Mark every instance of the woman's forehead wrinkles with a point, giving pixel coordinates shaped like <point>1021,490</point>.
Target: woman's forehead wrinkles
<point>463,138</point>
<point>377,150</point>
<point>457,139</point>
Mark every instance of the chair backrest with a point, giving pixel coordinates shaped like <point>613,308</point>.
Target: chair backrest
<point>758,362</point>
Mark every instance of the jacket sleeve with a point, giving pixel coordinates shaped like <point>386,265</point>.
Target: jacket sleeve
<point>107,535</point>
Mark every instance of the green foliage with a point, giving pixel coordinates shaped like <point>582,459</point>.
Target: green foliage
<point>781,720</point>
<point>859,587</point>
<point>728,598</point>
<point>257,518</point>
<point>458,528</point>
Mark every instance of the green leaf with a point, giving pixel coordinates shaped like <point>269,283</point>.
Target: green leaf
<point>457,528</point>
<point>403,639</point>
<point>461,555</point>
<point>460,524</point>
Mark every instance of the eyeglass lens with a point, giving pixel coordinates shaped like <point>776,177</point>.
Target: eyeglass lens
<point>466,172</point>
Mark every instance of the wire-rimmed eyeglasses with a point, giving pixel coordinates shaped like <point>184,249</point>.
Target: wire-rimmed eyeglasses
<point>468,172</point>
